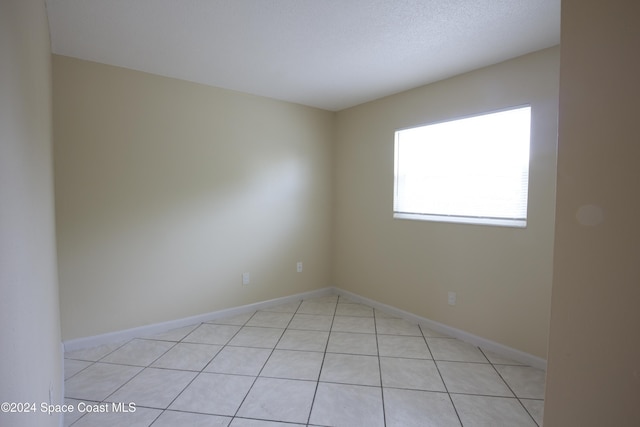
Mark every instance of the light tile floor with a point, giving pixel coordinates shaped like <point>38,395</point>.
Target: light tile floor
<point>319,362</point>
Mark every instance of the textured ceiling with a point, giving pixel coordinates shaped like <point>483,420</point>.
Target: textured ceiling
<point>330,54</point>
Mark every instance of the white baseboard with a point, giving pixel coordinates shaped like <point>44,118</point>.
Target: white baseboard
<point>503,350</point>
<point>158,328</point>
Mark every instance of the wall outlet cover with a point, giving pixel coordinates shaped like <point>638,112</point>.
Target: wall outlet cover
<point>452,298</point>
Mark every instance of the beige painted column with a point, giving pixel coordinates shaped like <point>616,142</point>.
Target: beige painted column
<point>593,376</point>
<point>30,348</point>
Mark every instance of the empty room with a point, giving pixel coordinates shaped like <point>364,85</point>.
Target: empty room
<point>319,213</point>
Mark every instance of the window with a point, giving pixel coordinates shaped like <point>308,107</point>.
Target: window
<point>472,170</point>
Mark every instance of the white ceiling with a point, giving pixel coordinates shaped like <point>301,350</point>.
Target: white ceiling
<point>330,54</point>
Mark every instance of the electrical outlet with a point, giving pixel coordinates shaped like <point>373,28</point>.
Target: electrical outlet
<point>246,278</point>
<point>299,267</point>
<point>452,298</point>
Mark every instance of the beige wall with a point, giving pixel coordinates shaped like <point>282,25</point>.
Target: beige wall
<point>594,348</point>
<point>30,349</point>
<point>502,276</point>
<point>166,191</point>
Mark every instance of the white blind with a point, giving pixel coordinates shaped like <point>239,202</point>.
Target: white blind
<point>474,169</point>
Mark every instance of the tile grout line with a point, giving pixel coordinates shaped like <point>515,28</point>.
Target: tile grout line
<point>510,389</point>
<point>441,377</point>
<point>324,355</point>
<point>130,379</point>
<point>144,367</point>
<point>180,341</point>
<point>93,362</point>
<point>198,373</point>
<point>375,329</point>
<point>284,330</point>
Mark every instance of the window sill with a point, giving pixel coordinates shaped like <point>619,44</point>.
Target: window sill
<point>498,222</point>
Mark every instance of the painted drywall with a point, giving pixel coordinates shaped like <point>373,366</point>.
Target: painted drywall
<point>593,376</point>
<point>167,191</point>
<point>502,276</point>
<point>30,348</point>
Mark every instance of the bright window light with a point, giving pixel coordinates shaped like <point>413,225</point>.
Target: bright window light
<point>471,170</point>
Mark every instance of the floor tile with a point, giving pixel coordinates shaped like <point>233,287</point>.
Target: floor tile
<point>526,382</point>
<point>403,346</point>
<point>411,408</point>
<point>174,334</point>
<point>217,394</point>
<point>313,307</point>
<point>303,340</point>
<point>175,418</point>
<point>187,356</point>
<point>498,359</point>
<point>473,378</point>
<point>430,333</point>
<point>350,369</point>
<point>244,422</point>
<point>455,350</point>
<point>245,370</point>
<point>208,333</point>
<point>350,343</point>
<point>139,352</point>
<point>98,381</point>
<point>289,307</point>
<point>397,327</point>
<point>357,310</point>
<point>93,354</point>
<point>311,322</point>
<point>71,417</point>
<point>154,388</point>
<point>411,374</point>
<point>353,324</point>
<point>296,365</point>
<point>279,400</point>
<point>237,320</point>
<point>327,299</point>
<point>483,411</point>
<point>72,367</point>
<point>142,417</point>
<point>344,405</point>
<point>381,314</point>
<point>535,408</point>
<point>239,360</point>
<point>270,319</point>
<point>251,336</point>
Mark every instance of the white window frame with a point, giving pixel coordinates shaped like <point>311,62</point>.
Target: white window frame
<point>518,207</point>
